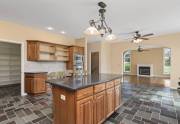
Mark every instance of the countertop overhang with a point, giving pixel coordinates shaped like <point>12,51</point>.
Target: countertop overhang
<point>79,82</point>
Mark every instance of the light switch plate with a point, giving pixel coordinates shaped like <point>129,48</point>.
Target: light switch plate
<point>63,97</point>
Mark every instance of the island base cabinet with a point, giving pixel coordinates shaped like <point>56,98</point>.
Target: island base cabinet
<point>90,105</point>
<point>63,106</point>
<point>99,107</point>
<point>84,111</point>
<point>109,101</point>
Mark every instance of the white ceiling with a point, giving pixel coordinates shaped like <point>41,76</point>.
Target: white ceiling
<point>72,16</point>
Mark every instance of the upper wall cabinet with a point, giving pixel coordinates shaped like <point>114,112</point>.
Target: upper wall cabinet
<point>73,50</point>
<point>42,51</point>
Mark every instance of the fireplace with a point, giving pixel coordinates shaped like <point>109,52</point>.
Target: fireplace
<point>144,70</point>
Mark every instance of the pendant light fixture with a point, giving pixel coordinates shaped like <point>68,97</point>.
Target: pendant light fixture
<point>100,27</point>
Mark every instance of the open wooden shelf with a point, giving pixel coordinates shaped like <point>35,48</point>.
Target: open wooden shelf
<point>42,51</point>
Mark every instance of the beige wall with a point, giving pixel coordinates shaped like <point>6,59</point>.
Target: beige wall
<point>105,57</point>
<point>171,41</point>
<point>152,56</point>
<point>115,55</point>
<point>93,47</point>
<point>15,32</point>
<point>104,49</point>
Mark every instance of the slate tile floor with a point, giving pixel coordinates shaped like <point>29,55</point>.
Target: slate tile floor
<point>141,105</point>
<point>147,105</point>
<point>15,109</point>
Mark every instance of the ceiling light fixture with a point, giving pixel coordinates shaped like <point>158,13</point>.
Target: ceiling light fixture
<point>110,37</point>
<point>50,28</point>
<point>63,32</point>
<point>100,26</point>
<point>137,40</point>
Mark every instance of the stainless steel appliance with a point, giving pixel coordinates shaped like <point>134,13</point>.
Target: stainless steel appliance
<point>78,64</point>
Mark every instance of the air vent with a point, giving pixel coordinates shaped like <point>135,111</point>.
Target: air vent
<point>114,115</point>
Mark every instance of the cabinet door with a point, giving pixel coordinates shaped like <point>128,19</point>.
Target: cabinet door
<point>99,107</point>
<point>75,50</point>
<point>84,111</point>
<point>81,50</point>
<point>40,85</point>
<point>117,96</point>
<point>32,51</point>
<point>69,64</point>
<point>109,101</point>
<point>28,84</point>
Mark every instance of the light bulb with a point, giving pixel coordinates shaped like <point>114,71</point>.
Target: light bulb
<point>137,40</point>
<point>110,37</point>
<point>91,31</point>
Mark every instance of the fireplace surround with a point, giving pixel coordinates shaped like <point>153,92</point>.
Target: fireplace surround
<point>145,70</point>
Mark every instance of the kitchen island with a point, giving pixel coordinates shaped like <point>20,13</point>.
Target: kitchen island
<point>87,99</point>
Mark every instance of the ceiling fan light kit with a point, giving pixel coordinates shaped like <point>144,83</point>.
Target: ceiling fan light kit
<point>137,41</point>
<point>100,26</point>
<point>138,37</point>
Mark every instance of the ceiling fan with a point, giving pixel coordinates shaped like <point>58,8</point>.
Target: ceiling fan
<point>140,49</point>
<point>138,37</point>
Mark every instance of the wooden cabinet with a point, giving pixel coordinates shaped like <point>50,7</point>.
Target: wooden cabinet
<point>84,111</point>
<point>72,51</point>
<point>32,51</point>
<point>35,83</point>
<point>77,50</point>
<point>43,51</point>
<point>117,96</point>
<point>91,105</point>
<point>83,93</point>
<point>99,107</point>
<point>109,101</point>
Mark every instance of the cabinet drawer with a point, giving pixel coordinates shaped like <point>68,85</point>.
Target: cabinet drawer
<point>117,81</point>
<point>109,84</point>
<point>99,88</point>
<point>84,93</point>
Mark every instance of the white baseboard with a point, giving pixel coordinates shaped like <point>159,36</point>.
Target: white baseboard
<point>162,76</point>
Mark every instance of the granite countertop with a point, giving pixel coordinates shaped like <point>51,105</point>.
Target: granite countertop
<point>34,72</point>
<point>80,82</point>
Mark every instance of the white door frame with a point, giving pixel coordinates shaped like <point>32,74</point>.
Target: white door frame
<point>22,61</point>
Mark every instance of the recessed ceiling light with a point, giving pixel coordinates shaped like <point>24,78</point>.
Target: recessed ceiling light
<point>50,28</point>
<point>63,32</point>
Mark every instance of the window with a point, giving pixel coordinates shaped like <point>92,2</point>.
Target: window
<point>167,60</point>
<point>127,61</point>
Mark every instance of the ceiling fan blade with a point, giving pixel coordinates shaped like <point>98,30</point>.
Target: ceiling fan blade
<point>128,33</point>
<point>143,38</point>
<point>145,50</point>
<point>146,35</point>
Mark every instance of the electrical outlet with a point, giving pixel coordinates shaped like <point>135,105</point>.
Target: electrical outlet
<point>63,97</point>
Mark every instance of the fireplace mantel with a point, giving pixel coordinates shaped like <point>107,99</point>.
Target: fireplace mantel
<point>139,66</point>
